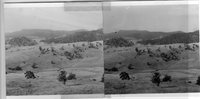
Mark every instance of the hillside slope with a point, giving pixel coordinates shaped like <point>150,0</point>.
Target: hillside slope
<point>192,37</point>
<point>78,37</point>
<point>138,34</point>
<point>21,41</point>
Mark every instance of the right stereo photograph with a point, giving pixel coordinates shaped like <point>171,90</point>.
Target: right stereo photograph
<point>151,48</point>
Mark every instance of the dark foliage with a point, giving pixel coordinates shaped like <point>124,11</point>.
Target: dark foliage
<point>75,54</point>
<point>130,66</point>
<point>21,41</point>
<point>17,68</point>
<point>149,64</point>
<point>124,76</point>
<point>198,81</point>
<point>52,62</point>
<point>34,66</point>
<point>187,47</point>
<point>102,78</point>
<point>62,77</point>
<point>156,78</point>
<point>118,42</point>
<point>91,45</point>
<point>167,78</point>
<point>71,76</point>
<point>169,56</point>
<point>113,69</point>
<point>29,75</point>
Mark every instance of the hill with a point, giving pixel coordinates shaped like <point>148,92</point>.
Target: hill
<point>192,37</point>
<point>21,41</point>
<point>79,36</point>
<point>138,34</point>
<point>38,33</point>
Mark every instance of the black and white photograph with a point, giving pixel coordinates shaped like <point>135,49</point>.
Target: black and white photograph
<point>51,50</point>
<point>151,48</point>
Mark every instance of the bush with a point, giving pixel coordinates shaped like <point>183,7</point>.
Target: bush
<point>167,78</point>
<point>71,76</point>
<point>73,55</point>
<point>17,68</point>
<point>91,45</point>
<point>130,66</point>
<point>34,66</point>
<point>198,81</point>
<point>114,69</point>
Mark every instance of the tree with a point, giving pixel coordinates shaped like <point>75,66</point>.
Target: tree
<point>156,78</point>
<point>62,77</point>
<point>124,76</point>
<point>29,75</point>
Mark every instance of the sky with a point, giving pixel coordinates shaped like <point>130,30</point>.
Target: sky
<point>165,18</point>
<point>46,17</point>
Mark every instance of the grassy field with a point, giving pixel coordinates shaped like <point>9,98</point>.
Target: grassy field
<point>88,70</point>
<point>184,71</point>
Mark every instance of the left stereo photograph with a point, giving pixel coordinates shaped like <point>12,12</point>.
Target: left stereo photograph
<point>54,49</point>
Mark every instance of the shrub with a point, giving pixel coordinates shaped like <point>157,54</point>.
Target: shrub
<point>198,81</point>
<point>71,76</point>
<point>83,45</point>
<point>91,45</point>
<point>34,66</point>
<point>130,66</point>
<point>114,69</point>
<point>52,62</point>
<point>68,55</point>
<point>167,78</point>
<point>17,68</point>
<point>73,55</point>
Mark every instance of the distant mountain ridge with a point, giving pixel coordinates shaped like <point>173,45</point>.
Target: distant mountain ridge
<point>55,36</point>
<point>39,33</point>
<point>79,36</point>
<point>139,34</point>
<point>191,37</point>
